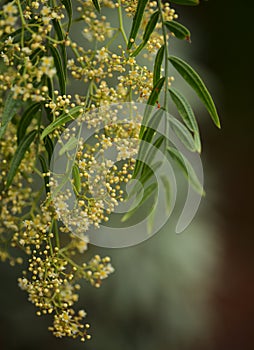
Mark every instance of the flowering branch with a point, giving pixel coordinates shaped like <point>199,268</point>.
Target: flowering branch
<point>40,64</point>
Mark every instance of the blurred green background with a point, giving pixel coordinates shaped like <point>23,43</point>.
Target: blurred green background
<point>188,291</point>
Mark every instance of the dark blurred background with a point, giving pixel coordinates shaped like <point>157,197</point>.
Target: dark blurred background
<point>195,290</point>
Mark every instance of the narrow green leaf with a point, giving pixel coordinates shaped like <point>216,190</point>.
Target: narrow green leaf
<point>184,109</point>
<point>147,174</point>
<point>148,31</point>
<point>50,89</point>
<point>60,36</point>
<point>183,134</point>
<point>147,158</point>
<point>61,120</point>
<point>19,155</point>
<point>58,29</point>
<point>49,147</point>
<point>45,171</point>
<point>10,108</point>
<point>186,2</point>
<point>180,31</point>
<point>151,25</point>
<point>97,5</point>
<point>197,142</point>
<point>59,69</point>
<point>136,22</point>
<point>194,80</point>
<point>188,171</point>
<point>157,64</point>
<point>147,194</point>
<point>76,178</point>
<point>187,114</point>
<point>151,101</point>
<point>156,145</point>
<point>138,49</point>
<point>153,98</point>
<point>152,125</point>
<point>151,170</point>
<point>26,118</point>
<point>68,6</point>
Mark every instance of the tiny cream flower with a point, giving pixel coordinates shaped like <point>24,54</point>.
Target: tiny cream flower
<point>102,54</point>
<point>10,8</point>
<point>11,20</point>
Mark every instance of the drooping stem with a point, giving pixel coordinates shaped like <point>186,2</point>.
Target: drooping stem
<point>120,17</point>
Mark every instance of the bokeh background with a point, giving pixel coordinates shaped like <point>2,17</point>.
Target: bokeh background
<point>188,291</point>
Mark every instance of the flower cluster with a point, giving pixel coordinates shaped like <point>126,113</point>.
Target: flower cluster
<point>15,201</point>
<point>27,66</point>
<point>98,185</point>
<point>40,62</point>
<point>51,279</point>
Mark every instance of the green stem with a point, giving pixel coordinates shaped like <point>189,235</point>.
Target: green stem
<point>120,17</point>
<point>23,22</point>
<point>70,261</point>
<point>77,55</point>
